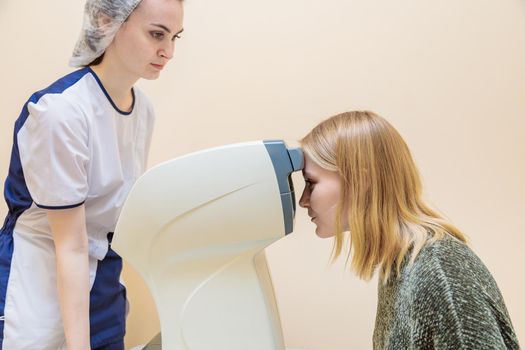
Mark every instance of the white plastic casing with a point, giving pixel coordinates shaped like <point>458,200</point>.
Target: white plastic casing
<point>195,228</point>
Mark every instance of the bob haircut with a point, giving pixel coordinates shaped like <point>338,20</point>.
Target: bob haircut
<point>381,192</point>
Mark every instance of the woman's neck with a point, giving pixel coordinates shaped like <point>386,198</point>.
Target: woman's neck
<point>117,84</point>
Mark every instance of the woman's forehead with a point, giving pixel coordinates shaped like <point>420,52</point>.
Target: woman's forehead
<point>315,171</point>
<point>311,168</point>
<point>166,12</point>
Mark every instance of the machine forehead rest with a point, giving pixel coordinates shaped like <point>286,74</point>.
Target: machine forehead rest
<point>296,155</point>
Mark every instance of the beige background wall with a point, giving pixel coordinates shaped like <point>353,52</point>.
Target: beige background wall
<point>450,75</point>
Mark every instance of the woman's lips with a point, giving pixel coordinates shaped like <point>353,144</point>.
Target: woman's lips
<point>158,66</point>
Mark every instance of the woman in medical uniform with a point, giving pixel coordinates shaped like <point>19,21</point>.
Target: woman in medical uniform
<point>78,147</point>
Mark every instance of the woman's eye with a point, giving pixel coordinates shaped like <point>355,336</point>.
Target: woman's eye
<point>157,35</point>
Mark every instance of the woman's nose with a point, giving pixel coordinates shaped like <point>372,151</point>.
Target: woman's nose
<point>167,49</point>
<point>304,201</point>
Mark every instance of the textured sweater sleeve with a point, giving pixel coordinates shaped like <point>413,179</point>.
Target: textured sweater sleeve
<point>457,304</point>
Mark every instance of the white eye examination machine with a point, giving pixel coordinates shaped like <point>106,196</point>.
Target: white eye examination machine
<point>195,229</point>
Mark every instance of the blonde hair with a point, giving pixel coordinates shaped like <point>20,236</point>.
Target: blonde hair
<point>380,189</point>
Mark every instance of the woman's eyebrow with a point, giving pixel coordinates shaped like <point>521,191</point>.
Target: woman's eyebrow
<point>165,28</point>
<point>161,26</point>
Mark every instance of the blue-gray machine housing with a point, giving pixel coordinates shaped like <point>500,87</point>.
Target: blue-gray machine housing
<point>285,161</point>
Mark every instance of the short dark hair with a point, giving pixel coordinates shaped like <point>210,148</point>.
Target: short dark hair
<point>96,61</point>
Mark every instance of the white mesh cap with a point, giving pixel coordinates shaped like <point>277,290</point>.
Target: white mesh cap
<point>102,20</point>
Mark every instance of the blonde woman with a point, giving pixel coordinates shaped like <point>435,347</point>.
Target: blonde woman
<point>434,292</point>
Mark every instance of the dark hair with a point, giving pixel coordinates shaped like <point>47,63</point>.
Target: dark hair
<point>96,61</point>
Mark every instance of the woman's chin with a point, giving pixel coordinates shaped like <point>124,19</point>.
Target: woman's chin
<point>322,234</point>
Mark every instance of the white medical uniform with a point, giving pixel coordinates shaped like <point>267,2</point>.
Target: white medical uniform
<point>72,146</point>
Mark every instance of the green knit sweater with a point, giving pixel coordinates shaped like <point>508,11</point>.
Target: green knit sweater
<point>447,299</point>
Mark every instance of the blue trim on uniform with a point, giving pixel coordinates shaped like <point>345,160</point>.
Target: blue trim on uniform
<point>16,193</point>
<point>109,97</point>
<point>6,253</point>
<point>60,207</point>
<point>107,302</point>
<point>113,346</point>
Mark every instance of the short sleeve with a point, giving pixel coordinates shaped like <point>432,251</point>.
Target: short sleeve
<point>54,153</point>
